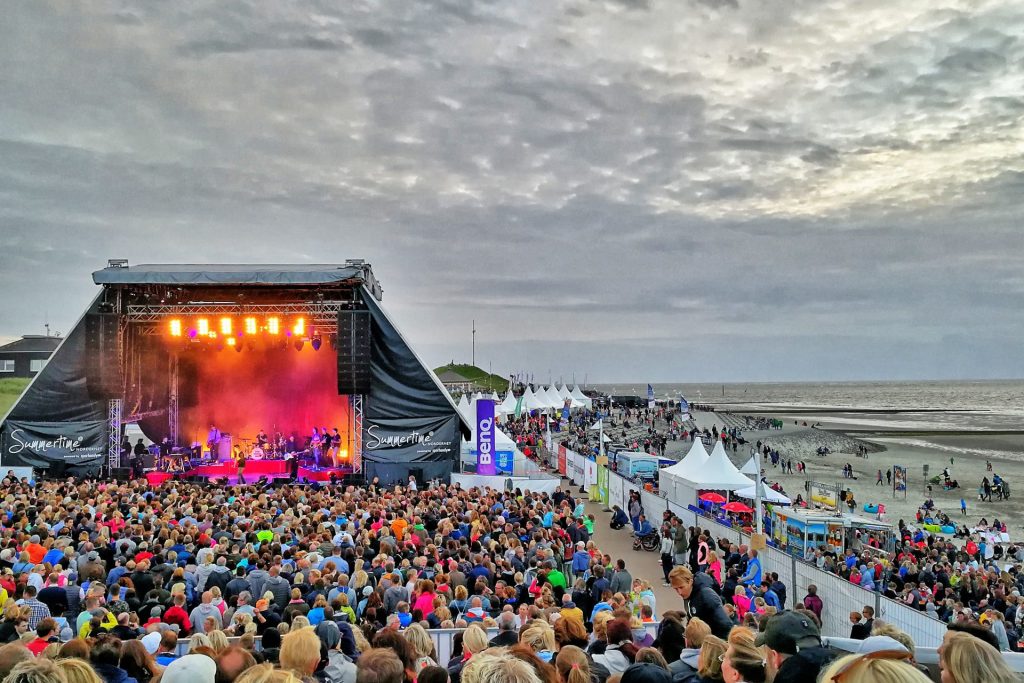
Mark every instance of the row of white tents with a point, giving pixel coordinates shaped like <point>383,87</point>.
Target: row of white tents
<point>699,471</point>
<point>542,400</point>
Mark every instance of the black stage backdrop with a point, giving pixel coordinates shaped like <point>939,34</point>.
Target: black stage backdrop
<point>409,422</point>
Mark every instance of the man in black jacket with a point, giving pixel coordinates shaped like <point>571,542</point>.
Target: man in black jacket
<point>795,654</point>
<point>701,599</point>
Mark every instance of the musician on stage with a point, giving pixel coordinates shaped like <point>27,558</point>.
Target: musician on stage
<point>327,445</point>
<point>212,439</point>
<point>240,460</point>
<point>336,444</point>
<point>261,439</point>
<point>314,446</point>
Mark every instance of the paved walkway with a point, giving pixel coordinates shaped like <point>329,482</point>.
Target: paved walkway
<point>619,544</point>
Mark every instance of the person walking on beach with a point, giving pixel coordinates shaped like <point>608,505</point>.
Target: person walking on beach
<point>879,481</point>
<point>888,477</point>
<point>963,507</point>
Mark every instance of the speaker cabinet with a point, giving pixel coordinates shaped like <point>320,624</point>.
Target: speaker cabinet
<point>103,367</point>
<point>353,352</point>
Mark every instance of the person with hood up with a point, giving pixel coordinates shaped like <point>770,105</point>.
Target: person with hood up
<point>701,600</point>
<point>620,652</point>
<point>204,610</point>
<point>795,652</point>
<point>684,665</point>
<point>334,666</point>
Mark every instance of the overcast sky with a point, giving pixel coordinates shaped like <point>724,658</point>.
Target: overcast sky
<point>638,190</point>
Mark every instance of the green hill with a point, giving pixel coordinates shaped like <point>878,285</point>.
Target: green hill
<point>480,379</point>
<point>10,390</point>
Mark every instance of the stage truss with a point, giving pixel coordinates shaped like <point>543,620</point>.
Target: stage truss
<point>317,313</point>
<point>114,407</point>
<point>357,433</point>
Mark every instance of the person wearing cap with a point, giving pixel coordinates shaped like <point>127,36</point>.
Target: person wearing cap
<point>190,669</point>
<point>795,652</point>
<point>700,598</point>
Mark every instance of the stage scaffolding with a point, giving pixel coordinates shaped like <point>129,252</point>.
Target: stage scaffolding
<point>356,433</point>
<point>114,407</point>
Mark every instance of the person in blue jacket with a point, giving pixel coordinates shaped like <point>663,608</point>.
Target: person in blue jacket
<point>753,575</point>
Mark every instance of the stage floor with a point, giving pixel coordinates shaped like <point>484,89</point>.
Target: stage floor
<point>254,471</point>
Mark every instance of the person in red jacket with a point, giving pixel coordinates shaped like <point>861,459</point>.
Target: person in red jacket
<point>46,633</point>
<point>177,615</point>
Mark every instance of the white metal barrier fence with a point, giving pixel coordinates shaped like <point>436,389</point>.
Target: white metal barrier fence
<point>839,596</point>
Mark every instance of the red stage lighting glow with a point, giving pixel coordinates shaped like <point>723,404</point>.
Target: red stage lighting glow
<point>203,327</point>
<point>250,325</point>
<point>231,341</point>
<point>300,327</point>
<point>225,326</point>
<point>175,328</point>
<point>273,325</point>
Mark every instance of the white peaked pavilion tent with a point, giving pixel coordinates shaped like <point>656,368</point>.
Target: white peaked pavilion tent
<point>581,397</point>
<point>532,402</point>
<point>751,467</point>
<point>673,480</point>
<point>564,393</point>
<point>719,474</point>
<point>508,406</point>
<point>465,408</point>
<point>494,397</point>
<point>556,400</point>
<point>768,495</point>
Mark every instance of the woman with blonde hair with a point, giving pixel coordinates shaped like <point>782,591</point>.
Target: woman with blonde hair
<point>709,666</point>
<point>261,673</point>
<point>572,665</point>
<point>78,671</point>
<point>422,647</point>
<point>218,641</point>
<point>541,639</point>
<point>743,661</point>
<point>966,659</point>
<point>474,640</point>
<point>198,640</point>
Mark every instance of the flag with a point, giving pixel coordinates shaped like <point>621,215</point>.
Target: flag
<point>519,406</point>
<point>684,408</point>
<point>650,396</point>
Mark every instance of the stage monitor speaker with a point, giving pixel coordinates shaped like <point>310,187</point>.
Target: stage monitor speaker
<point>354,352</point>
<point>103,368</point>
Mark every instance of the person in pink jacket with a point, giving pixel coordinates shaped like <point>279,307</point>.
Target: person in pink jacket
<point>742,602</point>
<point>425,601</point>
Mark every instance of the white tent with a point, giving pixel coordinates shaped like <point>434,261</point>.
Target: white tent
<point>718,473</point>
<point>674,479</point>
<point>564,393</point>
<point>556,400</point>
<point>494,397</point>
<point>465,409</point>
<point>768,495</point>
<point>751,467</point>
<point>508,406</point>
<point>532,402</point>
<point>581,397</point>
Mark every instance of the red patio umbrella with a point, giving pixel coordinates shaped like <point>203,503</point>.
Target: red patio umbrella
<point>736,506</point>
<point>712,497</point>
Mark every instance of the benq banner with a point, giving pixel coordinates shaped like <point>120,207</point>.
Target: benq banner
<point>41,444</point>
<point>486,443</point>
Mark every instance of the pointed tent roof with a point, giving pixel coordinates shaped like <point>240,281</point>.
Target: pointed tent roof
<point>581,397</point>
<point>464,408</point>
<point>508,406</point>
<point>718,473</point>
<point>564,393</point>
<point>751,467</point>
<point>556,400</point>
<point>691,463</point>
<point>532,402</point>
<point>768,495</point>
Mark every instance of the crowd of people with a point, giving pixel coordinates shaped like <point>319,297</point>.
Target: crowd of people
<point>103,582</point>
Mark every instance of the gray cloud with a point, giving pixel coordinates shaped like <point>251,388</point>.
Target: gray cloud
<point>827,189</point>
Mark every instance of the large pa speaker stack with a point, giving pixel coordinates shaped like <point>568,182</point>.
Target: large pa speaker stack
<point>103,367</point>
<point>353,352</point>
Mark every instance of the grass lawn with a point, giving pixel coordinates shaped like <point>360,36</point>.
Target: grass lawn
<point>478,377</point>
<point>10,390</point>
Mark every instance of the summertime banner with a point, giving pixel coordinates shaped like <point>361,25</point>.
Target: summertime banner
<point>561,460</point>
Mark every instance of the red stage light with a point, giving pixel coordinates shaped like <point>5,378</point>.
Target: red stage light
<point>203,327</point>
<point>300,327</point>
<point>274,325</point>
<point>225,326</point>
<point>175,327</point>
<point>250,325</point>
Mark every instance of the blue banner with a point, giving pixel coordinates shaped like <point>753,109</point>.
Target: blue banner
<point>505,461</point>
<point>650,396</point>
<point>485,437</point>
<point>684,407</point>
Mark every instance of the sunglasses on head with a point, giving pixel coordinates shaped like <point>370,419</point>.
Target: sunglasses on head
<point>881,654</point>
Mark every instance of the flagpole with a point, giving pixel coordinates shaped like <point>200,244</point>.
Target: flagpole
<point>757,492</point>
